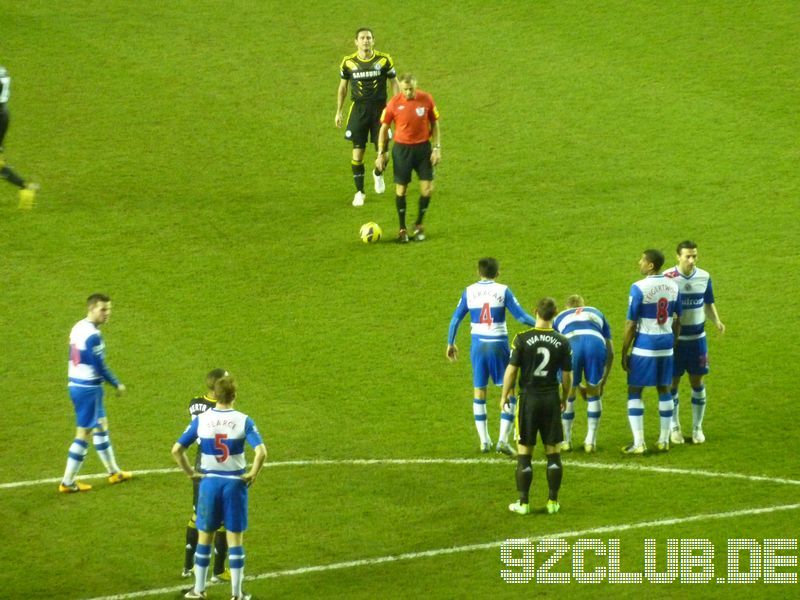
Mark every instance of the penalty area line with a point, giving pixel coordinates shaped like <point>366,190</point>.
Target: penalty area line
<point>408,556</point>
<point>442,461</point>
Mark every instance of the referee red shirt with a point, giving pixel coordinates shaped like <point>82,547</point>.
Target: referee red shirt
<point>413,119</point>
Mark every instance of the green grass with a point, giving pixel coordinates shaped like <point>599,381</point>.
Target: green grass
<point>190,168</point>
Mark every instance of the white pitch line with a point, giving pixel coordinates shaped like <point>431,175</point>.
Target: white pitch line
<point>366,562</point>
<point>445,461</point>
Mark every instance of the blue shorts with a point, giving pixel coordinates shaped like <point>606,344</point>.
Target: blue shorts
<point>588,358</point>
<point>489,359</point>
<point>221,501</point>
<point>646,371</point>
<point>691,356</point>
<point>88,404</point>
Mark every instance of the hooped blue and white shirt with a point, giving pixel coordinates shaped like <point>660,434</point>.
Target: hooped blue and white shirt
<point>87,366</point>
<point>486,302</point>
<point>696,292</point>
<point>222,435</point>
<point>653,303</point>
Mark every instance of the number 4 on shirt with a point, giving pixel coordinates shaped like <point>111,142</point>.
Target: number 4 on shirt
<point>486,315</point>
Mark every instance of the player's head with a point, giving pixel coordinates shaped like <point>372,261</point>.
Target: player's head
<point>687,256</point>
<point>213,376</point>
<point>365,39</point>
<point>98,308</point>
<point>488,267</point>
<point>651,262</point>
<point>225,390</point>
<point>3,71</point>
<point>546,309</point>
<point>408,85</point>
<point>575,301</point>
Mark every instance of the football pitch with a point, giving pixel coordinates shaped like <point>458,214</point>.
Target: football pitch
<point>190,168</point>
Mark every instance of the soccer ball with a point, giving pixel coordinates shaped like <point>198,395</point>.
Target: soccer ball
<point>370,232</point>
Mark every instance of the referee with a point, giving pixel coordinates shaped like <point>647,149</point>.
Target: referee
<point>418,147</point>
<point>538,355</point>
<point>366,71</point>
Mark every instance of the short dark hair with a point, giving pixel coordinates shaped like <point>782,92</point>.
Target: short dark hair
<point>407,78</point>
<point>213,376</point>
<point>95,298</point>
<point>656,257</point>
<point>360,29</point>
<point>488,267</point>
<point>225,389</point>
<point>546,308</point>
<point>685,244</point>
<point>574,301</point>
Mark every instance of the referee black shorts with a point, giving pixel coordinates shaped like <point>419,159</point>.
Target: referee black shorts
<point>408,158</point>
<point>364,123</point>
<point>539,411</point>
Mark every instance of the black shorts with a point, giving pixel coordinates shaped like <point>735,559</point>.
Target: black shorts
<point>539,411</point>
<point>364,123</point>
<point>412,157</point>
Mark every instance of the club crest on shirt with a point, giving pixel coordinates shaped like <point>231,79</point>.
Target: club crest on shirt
<point>420,111</point>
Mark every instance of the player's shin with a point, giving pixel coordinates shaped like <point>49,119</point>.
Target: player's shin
<point>554,474</point>
<point>698,406</point>
<point>75,457</point>
<point>665,406</point>
<point>220,552</point>
<point>358,174</point>
<point>594,410</point>
<point>102,443</point>
<point>676,403</point>
<point>507,419</point>
<point>191,546</point>
<point>636,418</point>
<point>567,419</point>
<point>236,562</point>
<point>524,477</point>
<point>479,413</point>
<point>202,558</point>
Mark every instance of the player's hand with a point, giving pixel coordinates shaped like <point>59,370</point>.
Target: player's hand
<point>249,478</point>
<point>121,389</point>
<point>196,475</point>
<point>436,156</point>
<point>452,352</point>
<point>720,327</point>
<point>625,362</point>
<point>338,118</point>
<point>380,162</point>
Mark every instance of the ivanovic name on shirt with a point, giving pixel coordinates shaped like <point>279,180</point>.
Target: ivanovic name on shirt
<point>544,338</point>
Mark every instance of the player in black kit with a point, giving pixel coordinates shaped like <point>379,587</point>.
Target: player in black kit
<point>538,355</point>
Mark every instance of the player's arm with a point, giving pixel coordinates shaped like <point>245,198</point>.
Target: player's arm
<point>341,94</point>
<point>515,308</point>
<point>713,316</point>
<point>509,383</point>
<point>566,388</point>
<point>676,328</point>
<point>627,341</point>
<point>458,314</point>
<point>95,345</point>
<point>179,450</point>
<point>258,463</point>
<point>609,362</point>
